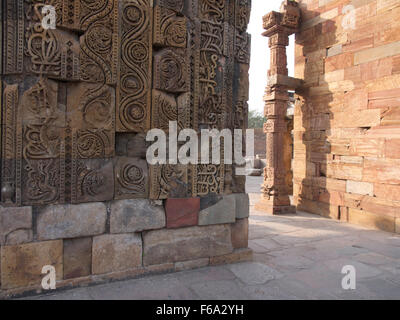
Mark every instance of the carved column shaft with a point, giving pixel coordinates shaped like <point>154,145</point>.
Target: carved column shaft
<point>278,26</point>
<point>277,44</point>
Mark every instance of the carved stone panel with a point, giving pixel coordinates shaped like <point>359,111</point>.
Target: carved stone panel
<point>51,53</point>
<point>99,44</point>
<point>208,179</point>
<point>92,180</point>
<point>13,27</point>
<point>11,147</point>
<point>131,178</point>
<point>134,83</point>
<point>175,5</point>
<point>169,29</point>
<point>41,181</point>
<point>168,181</point>
<point>171,71</point>
<point>78,100</point>
<point>91,112</point>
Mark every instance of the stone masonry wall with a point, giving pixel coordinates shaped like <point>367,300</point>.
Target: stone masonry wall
<point>77,101</point>
<point>347,119</point>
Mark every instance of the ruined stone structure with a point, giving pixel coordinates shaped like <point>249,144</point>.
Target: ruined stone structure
<point>77,101</point>
<point>346,123</point>
<point>278,26</point>
<point>347,147</point>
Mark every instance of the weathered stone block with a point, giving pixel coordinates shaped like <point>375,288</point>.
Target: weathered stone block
<point>240,233</point>
<point>362,119</point>
<point>224,211</point>
<point>380,52</point>
<point>77,258</point>
<point>242,205</point>
<point>335,50</point>
<point>112,253</point>
<point>382,170</point>
<point>21,265</point>
<point>371,220</point>
<point>182,212</point>
<point>344,171</point>
<point>136,215</point>
<point>387,191</point>
<point>192,243</point>
<point>12,221</point>
<point>71,221</point>
<point>398,225</point>
<point>19,237</point>
<point>358,187</point>
<point>380,206</point>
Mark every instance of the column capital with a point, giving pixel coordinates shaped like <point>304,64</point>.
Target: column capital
<point>286,21</point>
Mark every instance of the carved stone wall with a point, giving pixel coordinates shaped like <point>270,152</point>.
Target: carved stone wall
<point>110,71</point>
<point>77,103</point>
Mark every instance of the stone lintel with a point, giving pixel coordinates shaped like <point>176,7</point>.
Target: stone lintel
<point>282,80</point>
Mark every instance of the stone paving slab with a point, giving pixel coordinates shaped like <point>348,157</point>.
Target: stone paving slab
<point>295,257</point>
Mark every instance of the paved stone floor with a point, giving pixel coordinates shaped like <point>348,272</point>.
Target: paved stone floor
<point>295,257</point>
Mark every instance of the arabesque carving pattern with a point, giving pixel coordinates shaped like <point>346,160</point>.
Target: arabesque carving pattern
<point>134,87</point>
<point>109,72</point>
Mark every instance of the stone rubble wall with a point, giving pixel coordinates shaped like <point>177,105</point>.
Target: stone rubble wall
<point>76,103</point>
<point>347,119</point>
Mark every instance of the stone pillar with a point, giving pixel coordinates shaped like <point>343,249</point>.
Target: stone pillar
<point>278,26</point>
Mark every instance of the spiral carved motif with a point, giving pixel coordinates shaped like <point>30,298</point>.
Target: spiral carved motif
<point>132,177</point>
<point>133,112</point>
<point>136,55</point>
<point>90,145</point>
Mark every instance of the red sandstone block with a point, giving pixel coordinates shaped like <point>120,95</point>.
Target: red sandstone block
<point>371,220</point>
<point>330,184</point>
<point>376,69</point>
<point>332,197</point>
<point>182,212</point>
<point>320,208</point>
<point>340,146</point>
<point>344,171</point>
<point>353,74</point>
<point>385,94</point>
<point>338,62</point>
<point>358,118</point>
<point>381,206</point>
<point>386,35</point>
<point>344,214</point>
<point>360,44</point>
<point>352,200</point>
<point>381,171</point>
<point>356,99</point>
<point>391,117</point>
<point>387,191</point>
<point>396,65</point>
<point>383,132</point>
<point>368,147</point>
<point>392,148</point>
<point>384,103</point>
